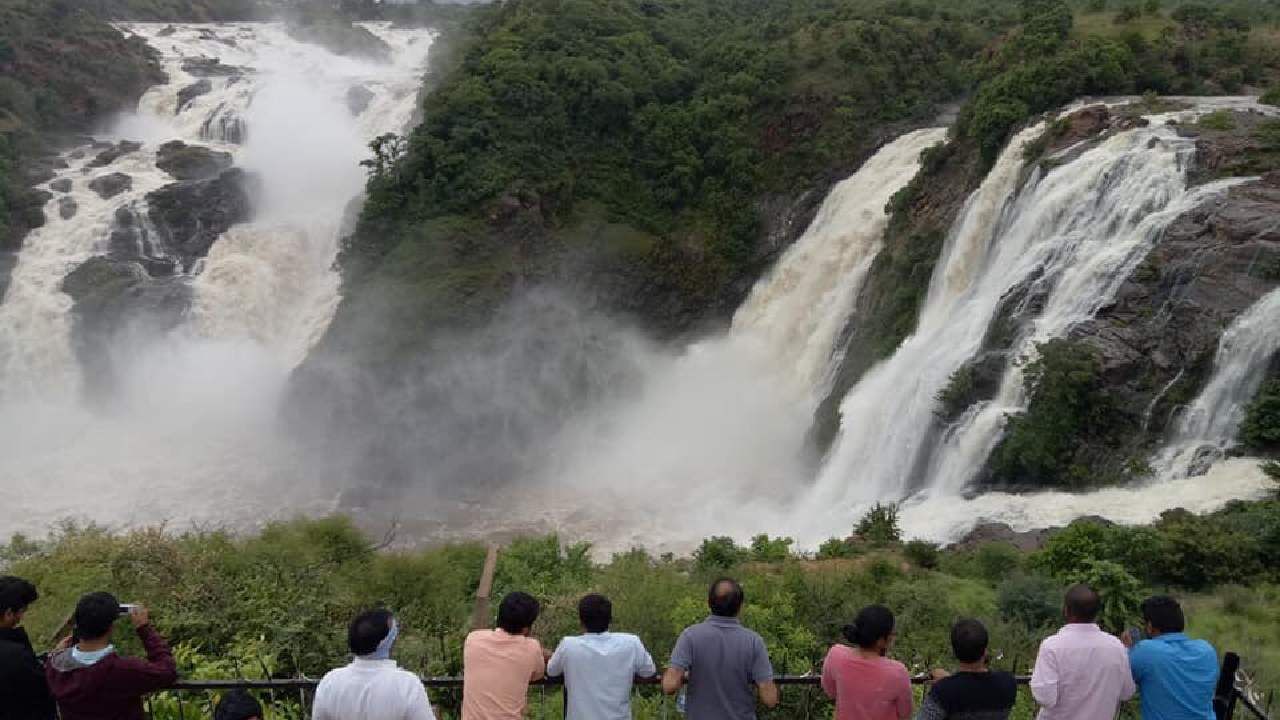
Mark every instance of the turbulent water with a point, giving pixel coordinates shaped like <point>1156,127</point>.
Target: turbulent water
<point>711,438</point>
<point>190,435</point>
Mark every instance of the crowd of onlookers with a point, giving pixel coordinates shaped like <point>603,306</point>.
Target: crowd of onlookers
<point>719,669</point>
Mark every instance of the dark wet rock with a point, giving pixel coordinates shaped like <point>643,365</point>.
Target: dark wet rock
<point>115,152</point>
<point>358,99</point>
<point>189,93</point>
<point>108,186</point>
<point>191,162</point>
<point>189,216</point>
<point>67,207</point>
<point>210,67</point>
<point>63,185</point>
<point>1001,533</point>
<point>167,31</point>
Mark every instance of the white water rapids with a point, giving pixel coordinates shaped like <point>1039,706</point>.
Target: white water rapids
<point>713,438</point>
<point>191,437</point>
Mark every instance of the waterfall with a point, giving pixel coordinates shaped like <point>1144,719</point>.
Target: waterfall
<point>1209,426</point>
<point>190,432</point>
<point>800,308</point>
<point>1068,239</point>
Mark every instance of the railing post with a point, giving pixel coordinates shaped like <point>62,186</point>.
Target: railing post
<point>480,614</point>
<point>1224,697</point>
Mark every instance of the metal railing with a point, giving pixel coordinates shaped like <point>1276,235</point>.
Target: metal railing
<point>291,698</point>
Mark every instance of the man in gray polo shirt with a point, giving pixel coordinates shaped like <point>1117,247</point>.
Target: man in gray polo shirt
<point>721,660</point>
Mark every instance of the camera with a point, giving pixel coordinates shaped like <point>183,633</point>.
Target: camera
<point>126,608</point>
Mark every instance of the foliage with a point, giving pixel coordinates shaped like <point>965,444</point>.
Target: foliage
<point>766,549</point>
<point>1271,96</point>
<point>1218,120</point>
<point>833,548</point>
<point>1033,600</point>
<point>995,561</point>
<point>922,554</point>
<point>719,553</point>
<point>1261,428</point>
<point>1120,591</point>
<point>1068,404</point>
<point>879,526</point>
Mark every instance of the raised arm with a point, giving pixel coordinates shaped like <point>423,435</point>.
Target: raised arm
<point>158,671</point>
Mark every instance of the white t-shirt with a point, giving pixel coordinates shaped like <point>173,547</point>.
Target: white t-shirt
<point>598,669</point>
<point>371,690</point>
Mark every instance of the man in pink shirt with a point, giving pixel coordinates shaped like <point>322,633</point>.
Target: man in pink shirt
<point>1081,673</point>
<point>498,665</point>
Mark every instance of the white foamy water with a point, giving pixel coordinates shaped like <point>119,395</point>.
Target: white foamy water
<point>190,434</point>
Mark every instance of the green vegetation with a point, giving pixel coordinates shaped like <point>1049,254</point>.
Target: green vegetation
<point>276,603</point>
<point>1261,428</point>
<point>1068,406</point>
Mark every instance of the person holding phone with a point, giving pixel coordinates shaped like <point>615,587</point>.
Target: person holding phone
<point>90,681</point>
<point>1176,675</point>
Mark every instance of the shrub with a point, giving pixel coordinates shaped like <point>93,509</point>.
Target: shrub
<point>833,548</point>
<point>1261,428</point>
<point>1120,591</point>
<point>879,526</point>
<point>922,554</point>
<point>1067,552</point>
<point>1218,120</point>
<point>1196,552</point>
<point>719,553</point>
<point>1271,96</point>
<point>996,560</point>
<point>1033,600</point>
<point>766,549</point>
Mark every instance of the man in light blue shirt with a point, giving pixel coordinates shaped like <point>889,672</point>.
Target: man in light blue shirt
<point>1176,675</point>
<point>599,666</point>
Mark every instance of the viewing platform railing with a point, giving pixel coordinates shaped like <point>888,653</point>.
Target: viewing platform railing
<point>289,699</point>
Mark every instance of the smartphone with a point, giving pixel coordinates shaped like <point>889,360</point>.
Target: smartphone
<point>126,608</point>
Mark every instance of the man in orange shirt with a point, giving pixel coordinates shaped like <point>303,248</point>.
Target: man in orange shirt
<point>498,665</point>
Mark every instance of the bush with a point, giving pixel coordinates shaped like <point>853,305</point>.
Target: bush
<point>1033,600</point>
<point>1066,552</point>
<point>997,560</point>
<point>834,548</point>
<point>766,549</point>
<point>1120,591</point>
<point>1271,96</point>
<point>1197,552</point>
<point>922,554</point>
<point>1218,120</point>
<point>719,553</point>
<point>879,526</point>
<point>1261,428</point>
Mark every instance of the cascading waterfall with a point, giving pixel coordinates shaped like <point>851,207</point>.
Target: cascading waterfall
<point>1208,428</point>
<point>190,433</point>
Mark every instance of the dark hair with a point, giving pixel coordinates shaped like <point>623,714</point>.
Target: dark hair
<point>237,705</point>
<point>518,612</point>
<point>95,614</point>
<point>1164,613</point>
<point>596,612</point>
<point>725,597</point>
<point>367,630</point>
<point>1082,603</point>
<point>16,594</point>
<point>873,623</point>
<point>969,640</point>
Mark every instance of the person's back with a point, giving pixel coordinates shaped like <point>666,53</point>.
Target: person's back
<point>1081,673</point>
<point>499,664</point>
<point>1176,675</point>
<point>599,666</point>
<point>864,683</point>
<point>372,687</point>
<point>974,692</point>
<point>24,693</point>
<point>90,681</point>
<point>722,661</point>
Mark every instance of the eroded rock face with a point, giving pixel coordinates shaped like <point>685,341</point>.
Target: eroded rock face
<point>63,186</point>
<point>191,162</point>
<point>109,186</point>
<point>115,152</point>
<point>189,93</point>
<point>189,216</point>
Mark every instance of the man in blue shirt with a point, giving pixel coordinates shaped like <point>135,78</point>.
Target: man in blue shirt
<point>1176,675</point>
<point>599,666</point>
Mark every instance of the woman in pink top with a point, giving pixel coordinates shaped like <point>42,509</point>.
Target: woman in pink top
<point>865,684</point>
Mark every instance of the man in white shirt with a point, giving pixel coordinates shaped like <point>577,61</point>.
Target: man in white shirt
<point>372,687</point>
<point>599,666</point>
<point>1081,673</point>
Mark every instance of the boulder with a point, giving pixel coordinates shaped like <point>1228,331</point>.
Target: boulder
<point>189,216</point>
<point>191,162</point>
<point>63,185</point>
<point>167,31</point>
<point>210,67</point>
<point>1002,533</point>
<point>189,93</point>
<point>67,207</point>
<point>108,186</point>
<point>358,99</point>
<point>115,152</point>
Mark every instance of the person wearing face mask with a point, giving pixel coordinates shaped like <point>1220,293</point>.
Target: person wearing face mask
<point>864,683</point>
<point>372,687</point>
